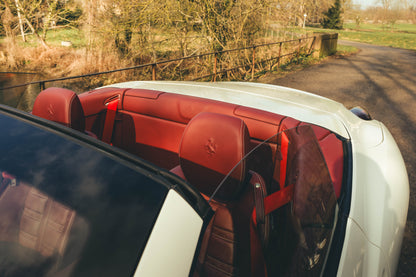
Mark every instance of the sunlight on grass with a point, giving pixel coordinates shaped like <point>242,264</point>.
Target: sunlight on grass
<point>346,50</point>
<point>75,36</point>
<point>399,35</point>
<point>56,36</point>
<point>403,27</point>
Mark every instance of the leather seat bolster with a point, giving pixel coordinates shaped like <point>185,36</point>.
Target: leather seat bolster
<point>218,246</point>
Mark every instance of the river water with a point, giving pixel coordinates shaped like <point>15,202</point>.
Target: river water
<point>22,97</point>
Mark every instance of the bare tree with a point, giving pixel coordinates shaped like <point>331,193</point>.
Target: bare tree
<point>36,15</point>
<point>390,11</point>
<point>117,24</point>
<point>179,18</point>
<point>19,16</point>
<point>291,12</point>
<point>7,20</point>
<point>51,14</point>
<point>26,10</point>
<point>231,22</point>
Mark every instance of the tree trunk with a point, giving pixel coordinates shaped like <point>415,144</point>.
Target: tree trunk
<point>40,39</point>
<point>22,31</point>
<point>7,19</point>
<point>25,17</point>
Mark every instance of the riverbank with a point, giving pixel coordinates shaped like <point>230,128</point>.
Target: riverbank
<point>22,97</point>
<point>58,61</point>
<point>55,61</point>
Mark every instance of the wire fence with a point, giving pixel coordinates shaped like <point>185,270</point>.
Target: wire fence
<point>236,63</point>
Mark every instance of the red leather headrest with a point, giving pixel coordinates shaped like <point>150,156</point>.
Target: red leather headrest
<point>62,106</point>
<point>212,144</point>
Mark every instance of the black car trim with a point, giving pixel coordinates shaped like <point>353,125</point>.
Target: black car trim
<point>344,205</point>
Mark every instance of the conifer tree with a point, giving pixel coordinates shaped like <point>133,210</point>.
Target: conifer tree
<point>332,18</point>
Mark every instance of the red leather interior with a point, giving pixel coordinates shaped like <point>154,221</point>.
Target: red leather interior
<point>218,250</point>
<point>331,147</point>
<point>172,107</point>
<point>27,216</point>
<point>150,124</point>
<point>62,106</point>
<point>202,140</point>
<point>94,104</point>
<point>38,236</point>
<point>212,144</point>
<point>155,139</point>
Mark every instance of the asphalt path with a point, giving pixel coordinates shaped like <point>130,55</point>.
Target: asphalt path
<point>383,81</point>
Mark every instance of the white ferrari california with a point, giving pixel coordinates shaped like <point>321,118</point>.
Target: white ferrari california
<point>198,179</point>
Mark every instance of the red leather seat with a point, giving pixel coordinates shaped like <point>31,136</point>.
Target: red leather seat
<point>212,145</point>
<point>62,106</point>
<point>37,235</point>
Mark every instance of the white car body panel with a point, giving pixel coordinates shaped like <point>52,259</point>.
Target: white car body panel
<point>379,201</point>
<point>359,253</point>
<point>380,188</point>
<point>172,243</point>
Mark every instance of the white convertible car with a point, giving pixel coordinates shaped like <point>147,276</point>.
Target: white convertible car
<point>198,179</point>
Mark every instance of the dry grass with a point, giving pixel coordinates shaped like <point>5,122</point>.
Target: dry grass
<point>57,61</point>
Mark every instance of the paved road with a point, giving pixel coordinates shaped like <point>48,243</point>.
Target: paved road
<point>383,80</point>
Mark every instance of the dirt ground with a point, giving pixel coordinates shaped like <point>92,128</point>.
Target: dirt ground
<point>383,81</point>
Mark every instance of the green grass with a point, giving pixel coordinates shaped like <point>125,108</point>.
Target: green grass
<point>399,40</point>
<point>345,50</point>
<point>56,36</point>
<point>403,27</point>
<point>399,35</point>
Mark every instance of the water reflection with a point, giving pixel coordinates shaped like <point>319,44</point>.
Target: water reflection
<point>22,97</point>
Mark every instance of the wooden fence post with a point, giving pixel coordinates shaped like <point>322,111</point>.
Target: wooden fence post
<point>215,67</point>
<point>154,72</point>
<point>312,45</point>
<point>280,52</point>
<point>254,62</point>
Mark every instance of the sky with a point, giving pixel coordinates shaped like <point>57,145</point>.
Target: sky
<point>365,3</point>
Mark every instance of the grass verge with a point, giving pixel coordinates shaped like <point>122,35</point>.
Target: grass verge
<point>399,36</point>
<point>346,50</point>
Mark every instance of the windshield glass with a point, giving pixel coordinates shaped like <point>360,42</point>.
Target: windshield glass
<point>67,209</point>
<point>295,215</point>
